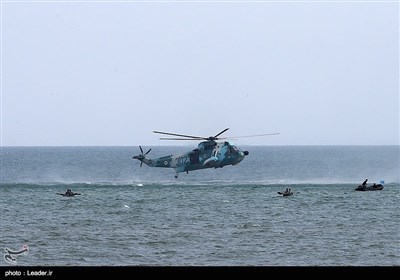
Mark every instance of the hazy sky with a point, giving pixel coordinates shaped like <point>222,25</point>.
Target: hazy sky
<point>106,73</point>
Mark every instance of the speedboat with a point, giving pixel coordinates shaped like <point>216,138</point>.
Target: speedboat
<point>374,187</point>
<point>286,193</point>
<point>69,194</point>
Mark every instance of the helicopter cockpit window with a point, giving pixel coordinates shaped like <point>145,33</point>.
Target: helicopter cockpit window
<point>229,147</point>
<point>235,148</point>
<point>206,145</point>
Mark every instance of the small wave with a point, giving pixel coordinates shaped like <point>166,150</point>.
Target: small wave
<point>248,225</point>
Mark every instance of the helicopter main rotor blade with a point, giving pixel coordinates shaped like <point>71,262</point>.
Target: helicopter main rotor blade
<point>197,139</point>
<point>141,149</point>
<point>211,138</point>
<point>215,137</point>
<point>181,135</point>
<point>257,135</point>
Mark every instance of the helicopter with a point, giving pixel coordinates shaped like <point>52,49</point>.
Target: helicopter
<point>208,154</point>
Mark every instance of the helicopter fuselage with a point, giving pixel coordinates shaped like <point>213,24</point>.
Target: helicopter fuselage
<point>208,154</point>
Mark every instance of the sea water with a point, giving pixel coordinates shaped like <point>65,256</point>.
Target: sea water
<point>127,215</point>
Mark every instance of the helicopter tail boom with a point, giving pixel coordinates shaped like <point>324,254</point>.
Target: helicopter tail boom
<point>166,161</point>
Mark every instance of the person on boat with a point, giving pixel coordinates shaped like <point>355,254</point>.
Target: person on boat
<point>364,184</point>
<point>69,192</point>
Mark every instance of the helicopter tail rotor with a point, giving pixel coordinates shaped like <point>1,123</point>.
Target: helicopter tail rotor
<point>141,156</point>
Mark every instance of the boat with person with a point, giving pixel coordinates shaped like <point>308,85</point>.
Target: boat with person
<point>375,187</point>
<point>69,192</point>
<point>65,194</point>
<point>287,192</point>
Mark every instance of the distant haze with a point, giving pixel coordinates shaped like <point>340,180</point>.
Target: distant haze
<point>94,74</point>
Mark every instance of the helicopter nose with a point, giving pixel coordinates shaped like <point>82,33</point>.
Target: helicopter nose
<point>246,153</point>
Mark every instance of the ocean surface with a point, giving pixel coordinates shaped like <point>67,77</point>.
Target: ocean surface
<point>129,215</point>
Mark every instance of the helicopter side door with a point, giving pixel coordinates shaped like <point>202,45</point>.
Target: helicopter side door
<point>194,157</point>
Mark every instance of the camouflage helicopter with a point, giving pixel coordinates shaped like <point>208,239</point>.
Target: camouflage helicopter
<point>208,154</point>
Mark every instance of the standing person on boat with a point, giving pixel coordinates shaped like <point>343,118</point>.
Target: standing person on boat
<point>364,184</point>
